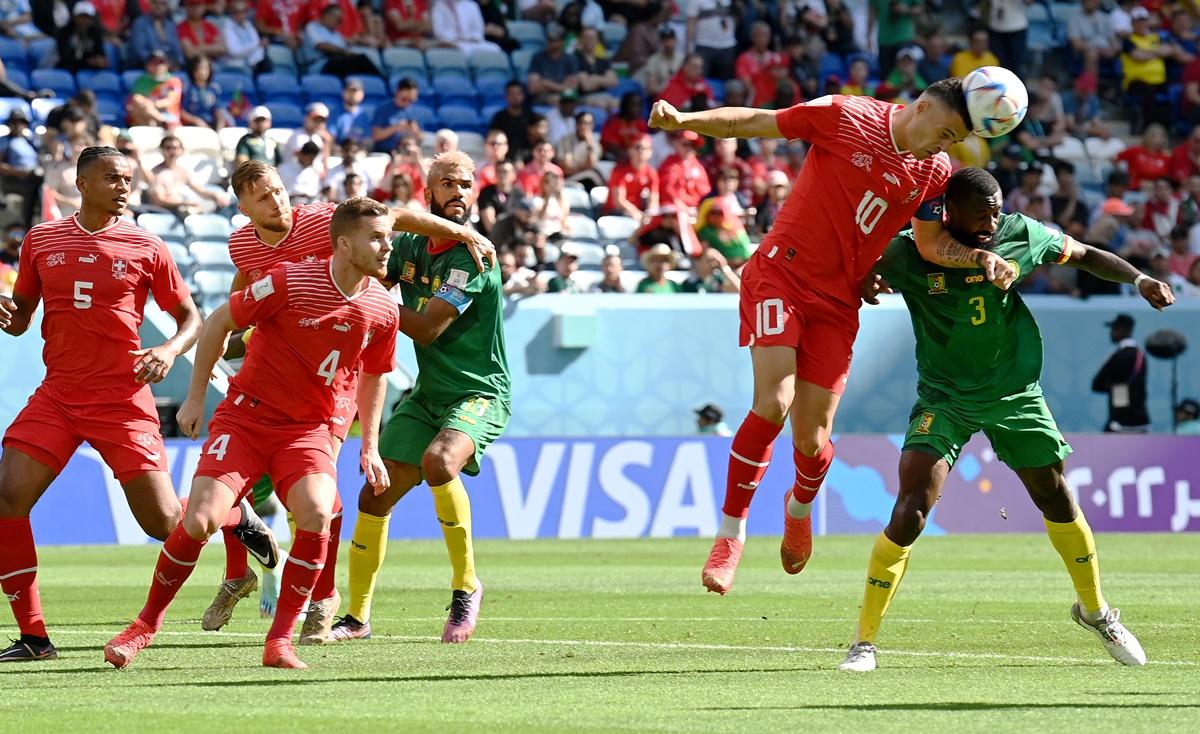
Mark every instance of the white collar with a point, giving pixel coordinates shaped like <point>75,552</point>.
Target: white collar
<point>1127,342</point>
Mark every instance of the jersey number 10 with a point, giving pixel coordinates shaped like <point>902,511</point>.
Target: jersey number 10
<point>870,211</point>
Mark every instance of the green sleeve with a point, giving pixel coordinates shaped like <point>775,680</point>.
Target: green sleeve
<point>899,263</point>
<point>465,275</point>
<point>556,285</point>
<point>401,247</point>
<point>1045,244</point>
<point>645,285</point>
<point>243,148</point>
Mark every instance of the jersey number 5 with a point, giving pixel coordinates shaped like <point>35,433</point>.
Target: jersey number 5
<point>83,300</point>
<point>870,211</point>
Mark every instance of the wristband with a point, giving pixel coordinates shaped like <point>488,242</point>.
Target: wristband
<point>1138,280</point>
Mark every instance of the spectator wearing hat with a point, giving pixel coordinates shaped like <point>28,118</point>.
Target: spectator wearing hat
<point>565,269</point>
<point>633,185</point>
<point>155,31</point>
<point>662,64</point>
<point>315,130</point>
<point>197,36</point>
<point>1187,417</point>
<point>255,145</point>
<point>174,187</point>
<point>778,187</point>
<point>976,54</point>
<point>156,97</point>
<point>81,42</point>
<point>552,70</point>
<point>1123,378</point>
<point>201,104</point>
<point>711,273</point>
<point>610,281</point>
<point>710,421</point>
<point>656,261</point>
<point>688,89</point>
<point>459,23</point>
<point>243,45</point>
<point>19,170</point>
<point>395,117</point>
<point>560,120</point>
<point>904,84</point>
<point>300,176</point>
<point>495,198</point>
<point>625,128</point>
<point>683,182</point>
<point>326,47</point>
<point>1111,226</point>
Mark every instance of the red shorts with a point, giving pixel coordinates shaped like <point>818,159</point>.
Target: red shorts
<point>49,429</point>
<point>779,310</point>
<point>345,409</point>
<point>240,449</point>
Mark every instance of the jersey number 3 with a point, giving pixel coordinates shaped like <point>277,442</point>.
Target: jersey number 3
<point>980,314</point>
<point>870,211</point>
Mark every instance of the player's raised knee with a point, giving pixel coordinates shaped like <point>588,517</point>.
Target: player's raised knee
<point>201,523</point>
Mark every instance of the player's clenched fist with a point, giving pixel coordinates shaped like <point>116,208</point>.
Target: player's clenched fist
<point>190,414</point>
<point>1156,293</point>
<point>8,307</point>
<point>664,116</point>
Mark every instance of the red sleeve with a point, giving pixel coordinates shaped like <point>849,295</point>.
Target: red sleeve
<point>261,299</point>
<point>811,121</point>
<point>610,136</point>
<point>742,68</point>
<point>166,282</point>
<point>29,281</point>
<point>670,183</point>
<point>1181,167</point>
<point>1126,155</point>
<point>379,358</point>
<point>940,178</point>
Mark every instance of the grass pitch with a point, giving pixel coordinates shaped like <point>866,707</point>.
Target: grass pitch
<point>620,636</point>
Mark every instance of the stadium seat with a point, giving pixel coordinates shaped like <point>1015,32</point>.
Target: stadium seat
<point>43,106</point>
<point>129,77</point>
<point>231,82</point>
<point>520,61</point>
<point>453,89</point>
<point>199,140</point>
<point>616,228</point>
<point>485,62</point>
<point>313,86</point>
<point>281,57</point>
<point>375,165</point>
<point>625,86</point>
<point>447,61</point>
<point>374,89</point>
<point>38,51</point>
<point>111,111</point>
<point>211,255</point>
<point>229,137</point>
<point>458,117</point>
<point>599,196</point>
<point>403,59</point>
<point>471,143</point>
<point>490,85</point>
<point>285,114</point>
<point>213,283</point>
<point>8,104</point>
<point>103,83</point>
<point>13,53</point>
<point>18,77</point>
<point>56,80</point>
<point>167,226</point>
<point>239,220</point>
<point>211,227</point>
<point>488,111</point>
<point>183,259</point>
<point>206,167</point>
<point>276,87</point>
<point>280,134</point>
<point>613,34</point>
<point>583,227</point>
<point>531,35</point>
<point>605,168</point>
<point>425,116</point>
<point>589,254</point>
<point>146,137</point>
<point>578,199</point>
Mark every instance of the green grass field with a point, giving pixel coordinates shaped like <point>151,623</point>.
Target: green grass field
<point>620,636</point>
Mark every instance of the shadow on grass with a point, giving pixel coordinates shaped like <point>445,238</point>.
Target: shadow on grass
<point>954,706</point>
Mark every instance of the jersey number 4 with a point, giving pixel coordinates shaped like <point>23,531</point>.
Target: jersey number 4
<point>329,365</point>
<point>870,211</point>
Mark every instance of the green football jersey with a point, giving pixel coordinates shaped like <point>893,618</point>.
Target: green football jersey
<point>974,341</point>
<point>469,357</point>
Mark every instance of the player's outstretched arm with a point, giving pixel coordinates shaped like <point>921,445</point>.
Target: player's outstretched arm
<point>1106,265</point>
<point>208,350</point>
<point>424,327</point>
<point>431,225</point>
<point>15,314</point>
<point>154,363</point>
<point>372,390</point>
<point>939,247</point>
<point>721,122</point>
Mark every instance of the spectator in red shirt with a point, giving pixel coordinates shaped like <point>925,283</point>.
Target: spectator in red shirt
<point>682,180</point>
<point>633,185</point>
<point>1147,161</point>
<point>1185,161</point>
<point>280,20</point>
<point>624,128</point>
<point>759,57</point>
<point>725,155</point>
<point>350,26</point>
<point>408,22</point>
<point>530,178</point>
<point>197,36</point>
<point>688,89</point>
<point>1162,208</point>
<point>495,149</point>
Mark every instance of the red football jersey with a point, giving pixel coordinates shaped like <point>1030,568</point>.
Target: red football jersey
<point>638,183</point>
<point>854,193</point>
<point>309,339</point>
<point>682,182</point>
<point>94,286</point>
<point>307,240</point>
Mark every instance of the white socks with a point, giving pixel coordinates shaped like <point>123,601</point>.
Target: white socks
<point>732,527</point>
<point>798,510</point>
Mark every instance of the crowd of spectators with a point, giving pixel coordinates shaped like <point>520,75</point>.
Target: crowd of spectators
<point>574,189</point>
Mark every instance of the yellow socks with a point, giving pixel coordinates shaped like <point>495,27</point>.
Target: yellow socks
<point>454,513</point>
<point>1074,542</point>
<point>367,550</point>
<point>884,572</point>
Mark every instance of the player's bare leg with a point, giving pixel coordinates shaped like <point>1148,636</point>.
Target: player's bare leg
<point>774,388</point>
<point>812,424</point>
<point>23,481</point>
<point>1072,538</point>
<point>151,497</point>
<point>311,501</point>
<point>442,465</point>
<point>368,548</point>
<point>921,478</point>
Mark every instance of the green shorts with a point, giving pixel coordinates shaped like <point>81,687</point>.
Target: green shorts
<point>261,492</point>
<point>1022,430</point>
<point>417,420</point>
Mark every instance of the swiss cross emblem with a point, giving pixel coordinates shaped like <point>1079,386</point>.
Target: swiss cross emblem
<point>119,269</point>
<point>862,160</point>
<point>912,195</point>
<point>57,258</point>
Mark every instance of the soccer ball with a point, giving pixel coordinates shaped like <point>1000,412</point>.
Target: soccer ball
<point>996,99</point>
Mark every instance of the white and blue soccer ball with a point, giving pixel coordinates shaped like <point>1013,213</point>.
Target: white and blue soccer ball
<point>996,99</point>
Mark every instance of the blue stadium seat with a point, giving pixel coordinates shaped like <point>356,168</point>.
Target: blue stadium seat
<point>491,85</point>
<point>214,285</point>
<point>129,77</point>
<point>613,34</point>
<point>458,117</point>
<point>281,57</point>
<point>488,111</point>
<point>446,61</point>
<point>8,104</point>
<point>486,62</point>
<point>211,255</point>
<point>183,259</point>
<point>718,89</point>
<point>42,107</point>
<point>285,114</point>
<point>625,86</point>
<point>374,88</point>
<point>208,226</point>
<point>18,77</point>
<point>100,82</point>
<point>13,53</point>
<point>397,60</point>
<point>872,62</point>
<point>520,61</point>
<point>56,80</point>
<point>583,227</point>
<point>529,34</point>
<point>278,87</point>
<point>456,90</point>
<point>167,226</point>
<point>112,111</point>
<point>231,81</point>
<point>38,50</point>
<point>832,65</point>
<point>313,86</point>
<point>425,116</point>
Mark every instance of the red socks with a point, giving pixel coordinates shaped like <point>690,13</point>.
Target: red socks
<point>18,574</point>
<point>304,564</point>
<point>237,563</point>
<point>175,563</point>
<point>324,586</point>
<point>748,460</point>
<point>810,472</point>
